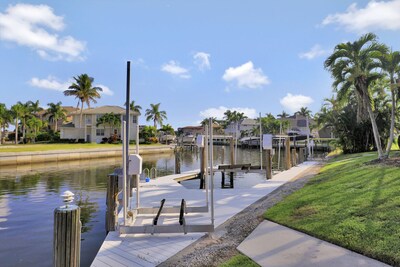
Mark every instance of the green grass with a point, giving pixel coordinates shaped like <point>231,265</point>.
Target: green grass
<point>47,147</point>
<point>239,260</point>
<point>351,204</point>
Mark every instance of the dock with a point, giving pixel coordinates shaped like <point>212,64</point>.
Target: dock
<point>151,250</point>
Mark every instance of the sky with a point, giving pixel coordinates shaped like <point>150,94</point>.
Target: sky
<point>196,58</point>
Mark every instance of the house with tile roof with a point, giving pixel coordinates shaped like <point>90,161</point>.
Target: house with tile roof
<point>89,131</point>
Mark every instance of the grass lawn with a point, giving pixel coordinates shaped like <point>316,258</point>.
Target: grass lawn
<point>47,147</point>
<point>239,260</point>
<point>351,204</point>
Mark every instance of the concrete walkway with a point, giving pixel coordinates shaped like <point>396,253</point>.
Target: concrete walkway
<point>274,245</point>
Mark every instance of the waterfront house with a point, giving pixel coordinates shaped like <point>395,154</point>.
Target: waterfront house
<point>89,131</point>
<point>242,127</point>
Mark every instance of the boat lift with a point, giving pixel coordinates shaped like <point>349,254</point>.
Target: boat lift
<point>135,168</point>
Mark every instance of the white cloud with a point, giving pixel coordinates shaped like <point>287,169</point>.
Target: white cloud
<point>376,15</point>
<point>106,90</point>
<point>173,67</point>
<point>52,83</point>
<point>219,112</point>
<point>246,76</point>
<point>30,25</point>
<point>202,60</point>
<point>315,51</point>
<point>293,103</point>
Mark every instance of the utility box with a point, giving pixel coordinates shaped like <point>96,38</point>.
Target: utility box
<point>135,164</point>
<point>267,141</point>
<point>200,141</point>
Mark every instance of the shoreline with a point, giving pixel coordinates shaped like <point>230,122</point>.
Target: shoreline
<point>21,158</point>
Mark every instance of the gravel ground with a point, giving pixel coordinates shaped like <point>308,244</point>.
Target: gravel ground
<point>221,245</point>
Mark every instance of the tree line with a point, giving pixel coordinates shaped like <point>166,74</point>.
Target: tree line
<point>25,116</point>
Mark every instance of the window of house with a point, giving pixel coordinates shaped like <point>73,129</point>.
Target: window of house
<point>100,132</point>
<point>89,119</point>
<point>301,123</point>
<point>134,120</point>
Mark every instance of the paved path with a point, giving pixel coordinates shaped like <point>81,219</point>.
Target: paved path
<point>274,245</point>
<point>150,250</point>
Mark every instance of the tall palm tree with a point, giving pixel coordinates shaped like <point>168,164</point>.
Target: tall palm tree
<point>84,91</point>
<point>56,113</point>
<point>135,108</point>
<point>391,66</point>
<point>17,112</point>
<point>5,119</point>
<point>155,114</point>
<point>353,65</point>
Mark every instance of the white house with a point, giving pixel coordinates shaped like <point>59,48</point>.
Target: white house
<point>245,125</point>
<point>89,132</point>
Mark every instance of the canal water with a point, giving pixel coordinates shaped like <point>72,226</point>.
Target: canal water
<point>30,193</point>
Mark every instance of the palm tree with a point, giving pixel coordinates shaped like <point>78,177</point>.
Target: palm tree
<point>5,119</point>
<point>155,114</point>
<point>391,66</point>
<point>34,107</point>
<point>56,113</point>
<point>135,108</point>
<point>353,65</point>
<point>111,119</point>
<point>283,115</point>
<point>34,125</point>
<point>167,129</point>
<point>304,111</point>
<point>83,89</point>
<point>17,112</point>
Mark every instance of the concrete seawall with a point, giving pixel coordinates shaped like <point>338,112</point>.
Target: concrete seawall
<point>20,158</point>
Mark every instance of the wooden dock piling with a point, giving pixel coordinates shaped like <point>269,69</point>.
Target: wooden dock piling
<point>177,161</point>
<point>67,236</point>
<point>112,203</point>
<point>268,164</point>
<point>294,157</point>
<point>288,164</point>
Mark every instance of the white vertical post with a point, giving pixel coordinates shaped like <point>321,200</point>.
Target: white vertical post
<point>236,139</point>
<point>279,144</point>
<point>211,172</point>
<point>137,152</point>
<point>124,176</point>
<point>308,139</point>
<point>261,157</point>
<point>206,178</point>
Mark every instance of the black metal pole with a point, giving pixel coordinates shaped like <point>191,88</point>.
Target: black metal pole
<point>128,92</point>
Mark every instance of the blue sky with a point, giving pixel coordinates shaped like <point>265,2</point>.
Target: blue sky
<point>196,58</point>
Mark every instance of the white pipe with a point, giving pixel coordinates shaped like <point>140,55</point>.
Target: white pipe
<point>261,157</point>
<point>279,145</point>
<point>308,138</point>
<point>206,178</point>
<point>137,176</point>
<point>211,172</point>
<point>124,189</point>
<point>236,139</point>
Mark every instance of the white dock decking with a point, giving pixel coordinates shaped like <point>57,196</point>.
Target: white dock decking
<point>151,250</point>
